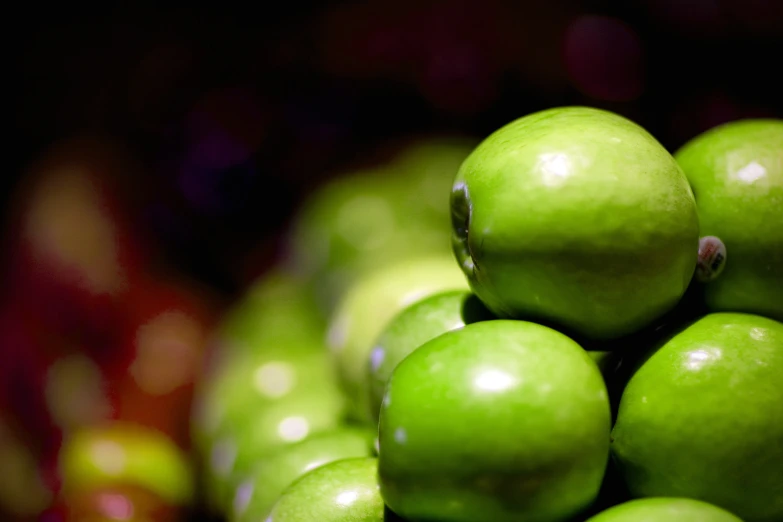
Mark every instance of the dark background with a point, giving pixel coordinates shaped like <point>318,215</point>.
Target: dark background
<point>308,86</point>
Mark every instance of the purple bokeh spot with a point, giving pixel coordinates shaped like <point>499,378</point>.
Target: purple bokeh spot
<point>217,189</point>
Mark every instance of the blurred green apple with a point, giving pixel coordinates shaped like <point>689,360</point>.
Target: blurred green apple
<point>736,171</point>
<point>370,304</point>
<point>341,491</point>
<point>429,164</point>
<point>575,217</point>
<point>278,305</point>
<point>662,509</point>
<point>258,492</point>
<point>270,344</point>
<point>499,420</point>
<point>358,222</point>
<point>701,417</point>
<point>118,453</point>
<point>414,326</point>
<point>262,404</point>
<point>245,383</point>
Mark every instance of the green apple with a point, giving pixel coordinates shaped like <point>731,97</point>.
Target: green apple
<point>428,164</point>
<point>662,509</point>
<point>345,490</point>
<point>278,307</point>
<point>701,417</point>
<point>575,217</point>
<point>250,382</point>
<point>358,222</point>
<point>601,358</point>
<point>127,454</point>
<point>370,304</point>
<point>258,492</point>
<point>268,405</point>
<point>499,420</point>
<point>736,171</point>
<point>414,326</point>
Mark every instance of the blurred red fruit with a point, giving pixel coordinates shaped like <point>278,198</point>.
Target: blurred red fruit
<point>23,493</point>
<point>24,361</point>
<point>112,504</point>
<point>163,345</point>
<point>74,251</point>
<point>77,392</point>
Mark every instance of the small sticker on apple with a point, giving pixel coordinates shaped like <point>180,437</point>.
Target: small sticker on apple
<point>711,259</point>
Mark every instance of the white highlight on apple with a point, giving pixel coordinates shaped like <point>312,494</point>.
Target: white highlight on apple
<point>347,498</point>
<point>315,464</point>
<point>758,334</point>
<point>698,358</point>
<point>274,379</point>
<point>109,456</point>
<point>751,172</point>
<point>555,167</point>
<point>293,428</point>
<point>493,380</point>
<point>400,436</point>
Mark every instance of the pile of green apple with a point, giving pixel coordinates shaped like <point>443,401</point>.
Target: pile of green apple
<point>602,340</point>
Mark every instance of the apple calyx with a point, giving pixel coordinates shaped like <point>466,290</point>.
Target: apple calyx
<point>460,218</point>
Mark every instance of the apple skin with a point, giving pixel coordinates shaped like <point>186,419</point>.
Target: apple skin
<point>500,420</point>
<point>344,490</point>
<point>700,417</point>
<point>255,496</point>
<point>736,171</point>
<point>372,215</point>
<point>291,395</point>
<point>368,306</point>
<point>663,509</point>
<point>254,382</point>
<point>562,215</point>
<point>274,336</point>
<point>118,453</point>
<point>414,326</point>
<point>357,222</point>
<point>429,163</point>
<point>277,304</point>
